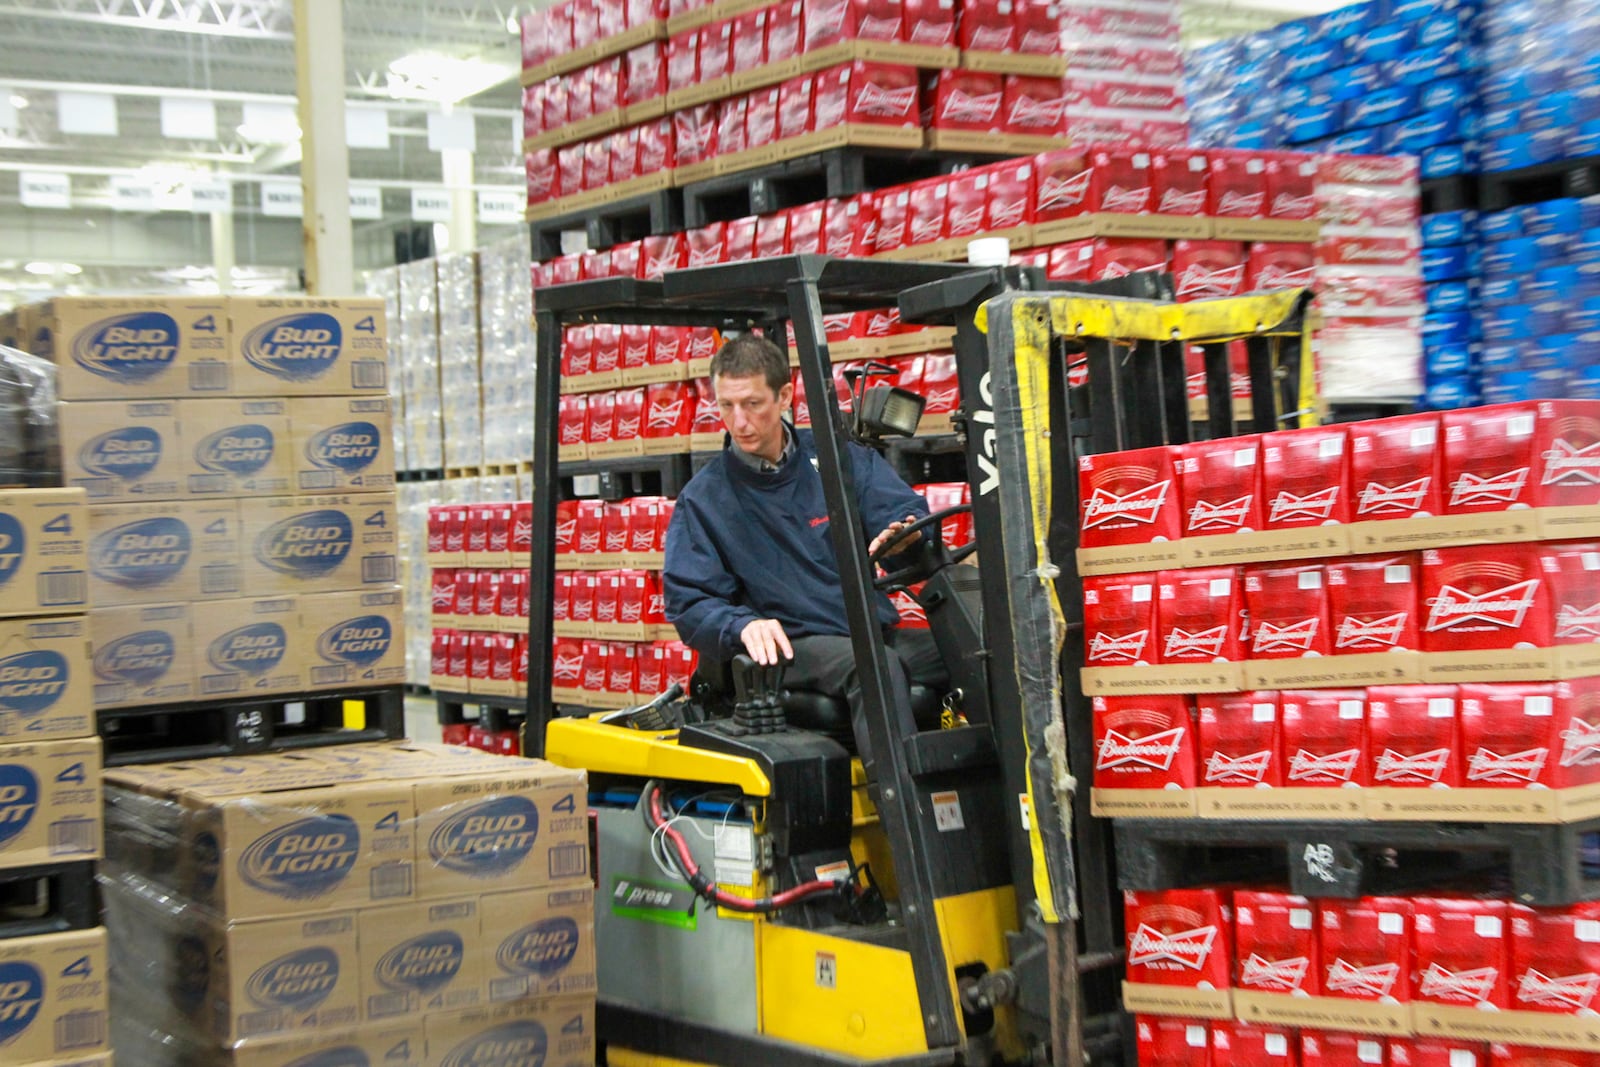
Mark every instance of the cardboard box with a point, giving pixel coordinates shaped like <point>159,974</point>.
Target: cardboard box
<point>279,976</point>
<point>555,1033</point>
<point>354,638</point>
<point>399,1044</point>
<point>248,647</point>
<point>143,654</point>
<point>163,552</point>
<point>235,447</point>
<point>319,544</point>
<point>309,346</point>
<point>50,803</point>
<point>44,563</point>
<point>526,826</point>
<point>1179,940</point>
<point>342,445</point>
<point>120,451</point>
<point>53,1003</point>
<point>539,942</point>
<point>120,348</point>
<point>45,680</point>
<point>421,958</point>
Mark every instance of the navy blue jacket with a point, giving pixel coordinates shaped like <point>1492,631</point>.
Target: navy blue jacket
<point>746,545</point>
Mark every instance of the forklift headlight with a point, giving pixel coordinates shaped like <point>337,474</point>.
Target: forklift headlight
<point>889,410</point>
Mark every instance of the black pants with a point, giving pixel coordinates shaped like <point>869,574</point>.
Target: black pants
<point>827,664</point>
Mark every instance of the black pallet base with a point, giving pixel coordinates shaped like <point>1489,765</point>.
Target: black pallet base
<point>494,713</point>
<point>627,476</point>
<point>244,725</point>
<point>1543,864</point>
<point>1498,190</point>
<point>48,899</point>
<point>1458,192</point>
<point>430,474</point>
<point>610,224</point>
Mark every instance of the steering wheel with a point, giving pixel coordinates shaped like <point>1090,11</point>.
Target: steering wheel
<point>935,557</point>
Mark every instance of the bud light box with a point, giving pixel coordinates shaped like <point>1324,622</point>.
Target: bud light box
<point>117,452</point>
<point>352,638</point>
<point>308,346</point>
<point>45,689</point>
<point>54,995</point>
<point>236,447</point>
<point>539,942</point>
<point>143,654</point>
<point>398,1044</point>
<point>551,1033</point>
<point>248,647</point>
<point>121,348</point>
<point>163,552</point>
<point>420,957</point>
<point>319,544</point>
<point>44,566</point>
<point>342,445</point>
<point>50,804</point>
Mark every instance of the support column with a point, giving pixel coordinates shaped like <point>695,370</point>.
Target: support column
<point>456,166</point>
<point>223,258</point>
<point>325,159</point>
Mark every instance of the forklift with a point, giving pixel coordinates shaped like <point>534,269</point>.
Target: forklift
<point>760,898</point>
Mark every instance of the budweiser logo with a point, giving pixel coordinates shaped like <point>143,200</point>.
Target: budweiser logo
<point>1174,202</point>
<point>1006,213</point>
<point>1063,192</point>
<point>924,230</point>
<point>1251,768</point>
<point>874,99</point>
<point>665,416</point>
<point>1287,506</point>
<point>1129,647</point>
<point>566,530</point>
<point>571,433</point>
<point>1295,637</point>
<point>1580,744</point>
<point>943,399</point>
<point>967,107</point>
<point>1155,752</point>
<point>627,426</point>
<point>444,598</point>
<point>1141,505</point>
<point>1041,41</point>
<point>1574,991</point>
<point>1496,489</point>
<point>1506,606</point>
<point>990,38</point>
<point>1578,622</point>
<point>1278,976</point>
<point>1566,464</point>
<point>876,29</point>
<point>631,611</point>
<point>838,244</point>
<point>879,324</point>
<point>1202,281</point>
<point>1377,498</point>
<point>1039,114</point>
<point>1289,206</point>
<point>1273,276</point>
<point>1375,981</point>
<point>1187,949</point>
<point>966,221</point>
<point>595,680</point>
<point>1236,203</point>
<point>1371,633</point>
<point>1335,766</point>
<point>589,542</point>
<point>1423,767</point>
<point>1206,643</point>
<point>1136,98</point>
<point>705,256</point>
<point>1524,766</point>
<point>1472,986</point>
<point>1127,201</point>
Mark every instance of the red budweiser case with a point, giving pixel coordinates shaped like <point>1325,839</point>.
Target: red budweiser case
<point>926,211</point>
<point>1220,485</point>
<point>761,119</point>
<point>1491,458</point>
<point>596,666</point>
<point>513,600</point>
<point>1144,742</point>
<point>1413,735</point>
<point>830,97</point>
<point>651,668</point>
<point>1288,610</point>
<point>1521,1056</point>
<point>1239,739</point>
<point>805,229</point>
<point>1275,943</point>
<point>442,593</point>
<point>439,654</point>
<point>1181,181</point>
<point>1062,185</point>
<point>1128,498</point>
<point>1323,1049</point>
<point>458,665</point>
<point>1365,948</point>
<point>1490,597</point>
<point>1324,737</point>
<point>893,217</point>
<point>739,239</point>
<point>1178,937</point>
<point>1291,185</point>
<point>939,383</point>
<point>1010,194</point>
<point>573,418</point>
<point>480,658</point>
<point>1243,1045</point>
<point>1038,27</point>
<point>438,519</point>
<point>1071,262</point>
<point>930,22</point>
<point>1304,478</point>
<point>1555,959</point>
<point>772,236</point>
<point>456,520</point>
<point>1174,1042</point>
<point>883,94</point>
<point>1200,615</point>
<point>669,410</point>
<point>629,413</point>
<point>589,526</point>
<point>615,522</point>
<point>715,51</point>
<point>607,346</point>
<point>968,100</point>
<point>1279,265</point>
<point>1034,107</point>
<point>607,592</point>
<point>1237,184</point>
<point>1372,604</point>
<point>987,26</point>
<point>707,245</point>
<point>749,49</point>
<point>731,125</point>
<point>602,417</point>
<point>1119,620</point>
<point>668,344</point>
<point>1434,1052</point>
<point>566,527</point>
<point>561,607</point>
<point>605,79</point>
<point>622,669</point>
<point>585,594</point>
<point>694,132</point>
<point>1463,952</point>
<point>707,416</point>
<point>636,344</point>
<point>465,605</point>
<point>1395,468</point>
<point>658,255</point>
<point>633,594</point>
<point>1117,257</point>
<point>1512,737</point>
<point>645,70</point>
<point>487,599</point>
<point>1573,571</point>
<point>1569,453</point>
<point>568,663</point>
<point>702,343</point>
<point>1124,181</point>
<point>1208,269</point>
<point>850,227</point>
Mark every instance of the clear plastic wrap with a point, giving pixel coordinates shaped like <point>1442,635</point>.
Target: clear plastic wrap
<point>30,450</point>
<point>385,284</point>
<point>460,377</point>
<point>419,357</point>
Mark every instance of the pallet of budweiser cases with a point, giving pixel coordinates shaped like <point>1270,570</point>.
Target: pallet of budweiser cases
<point>1170,1042</point>
<point>1410,973</point>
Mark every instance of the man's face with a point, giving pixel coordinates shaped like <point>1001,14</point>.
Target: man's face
<point>753,414</point>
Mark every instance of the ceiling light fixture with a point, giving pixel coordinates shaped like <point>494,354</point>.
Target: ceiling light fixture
<point>441,78</point>
<point>19,101</point>
<point>39,267</point>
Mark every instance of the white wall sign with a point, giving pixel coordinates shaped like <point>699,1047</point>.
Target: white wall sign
<point>45,189</point>
<point>366,127</point>
<point>132,192</point>
<point>188,118</point>
<point>282,199</point>
<point>94,114</point>
<point>430,205</point>
<point>210,194</point>
<point>457,130</point>
<point>366,202</point>
<point>270,123</point>
<point>500,209</point>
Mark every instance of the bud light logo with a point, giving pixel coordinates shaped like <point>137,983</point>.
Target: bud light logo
<point>518,1044</point>
<point>19,799</point>
<point>543,949</point>
<point>141,554</point>
<point>139,659</point>
<point>296,348</point>
<point>299,981</point>
<point>343,1056</point>
<point>22,993</point>
<point>425,964</point>
<point>30,682</point>
<point>360,642</point>
<point>349,447</point>
<point>308,545</point>
<point>488,839</point>
<point>256,649</point>
<point>127,454</point>
<point>128,349</point>
<point>13,547</point>
<point>305,859</point>
<point>238,450</point>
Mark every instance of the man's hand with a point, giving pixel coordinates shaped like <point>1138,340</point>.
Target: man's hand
<point>889,534</point>
<point>766,642</point>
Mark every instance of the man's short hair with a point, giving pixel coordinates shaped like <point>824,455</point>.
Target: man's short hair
<point>751,356</point>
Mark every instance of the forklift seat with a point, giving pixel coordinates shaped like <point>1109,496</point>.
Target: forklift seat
<point>828,715</point>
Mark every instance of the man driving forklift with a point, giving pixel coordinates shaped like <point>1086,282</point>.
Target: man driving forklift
<point>749,564</point>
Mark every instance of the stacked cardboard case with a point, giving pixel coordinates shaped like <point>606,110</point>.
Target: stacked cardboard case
<point>400,904</point>
<point>241,525</point>
<point>53,987</point>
